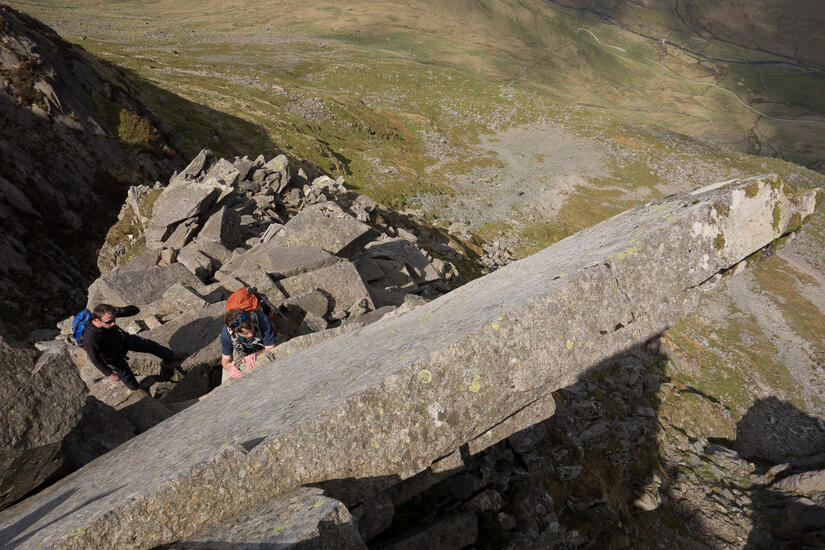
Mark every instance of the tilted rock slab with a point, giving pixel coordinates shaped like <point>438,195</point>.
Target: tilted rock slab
<point>386,401</point>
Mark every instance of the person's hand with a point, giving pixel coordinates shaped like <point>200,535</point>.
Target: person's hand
<point>234,372</point>
<point>249,360</point>
<point>114,378</point>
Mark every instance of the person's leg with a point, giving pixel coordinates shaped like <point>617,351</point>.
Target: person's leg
<point>136,343</point>
<point>121,368</point>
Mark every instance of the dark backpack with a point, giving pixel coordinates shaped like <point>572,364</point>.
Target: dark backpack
<point>79,323</point>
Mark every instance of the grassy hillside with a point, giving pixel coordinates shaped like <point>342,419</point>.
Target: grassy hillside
<point>398,98</point>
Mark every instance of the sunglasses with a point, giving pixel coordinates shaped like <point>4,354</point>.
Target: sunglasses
<point>237,323</point>
<point>107,323</point>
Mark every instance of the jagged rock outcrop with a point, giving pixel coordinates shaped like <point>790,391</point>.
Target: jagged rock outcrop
<point>73,139</point>
<point>388,400</point>
<point>41,401</point>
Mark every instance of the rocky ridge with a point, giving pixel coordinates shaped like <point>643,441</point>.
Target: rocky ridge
<point>193,242</point>
<point>708,230</point>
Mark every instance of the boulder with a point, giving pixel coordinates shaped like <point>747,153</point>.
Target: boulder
<point>278,176</point>
<point>180,201</point>
<point>100,429</point>
<point>197,334</point>
<point>196,383</point>
<point>179,237</point>
<point>806,483</point>
<point>339,281</point>
<point>243,166</point>
<point>183,298</point>
<point>271,231</point>
<point>222,172</point>
<point>194,169</point>
<point>367,269</point>
<point>310,301</point>
<point>142,262</point>
<point>405,252</point>
<point>198,263</point>
<point>138,287</point>
<point>224,226</point>
<point>219,253</point>
<point>41,401</point>
<point>301,519</point>
<point>282,262</point>
<point>325,226</point>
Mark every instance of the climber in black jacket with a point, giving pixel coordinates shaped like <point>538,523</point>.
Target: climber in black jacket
<point>107,344</point>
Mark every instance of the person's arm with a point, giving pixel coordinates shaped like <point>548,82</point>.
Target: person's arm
<point>267,334</point>
<point>227,362</point>
<point>127,311</point>
<point>89,344</point>
<point>229,366</point>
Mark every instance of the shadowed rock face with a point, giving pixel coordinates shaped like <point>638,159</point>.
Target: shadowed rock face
<point>72,140</point>
<point>388,400</point>
<point>41,401</point>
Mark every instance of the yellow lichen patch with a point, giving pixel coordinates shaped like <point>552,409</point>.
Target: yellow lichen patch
<point>280,529</point>
<point>569,344</point>
<point>476,385</point>
<point>495,326</point>
<point>425,376</point>
<point>319,503</point>
<point>632,251</point>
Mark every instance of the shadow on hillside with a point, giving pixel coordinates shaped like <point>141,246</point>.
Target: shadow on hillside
<point>595,475</point>
<point>76,205</point>
<point>788,447</point>
<point>569,480</point>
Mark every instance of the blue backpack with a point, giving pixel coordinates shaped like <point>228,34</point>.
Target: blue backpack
<point>79,325</point>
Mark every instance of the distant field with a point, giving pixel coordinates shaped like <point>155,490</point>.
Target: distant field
<point>398,98</point>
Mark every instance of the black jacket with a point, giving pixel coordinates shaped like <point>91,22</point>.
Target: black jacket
<point>105,345</point>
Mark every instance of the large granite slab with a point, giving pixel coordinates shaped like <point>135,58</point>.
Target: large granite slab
<point>384,402</point>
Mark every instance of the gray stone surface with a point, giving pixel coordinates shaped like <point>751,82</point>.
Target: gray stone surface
<point>806,483</point>
<point>406,253</point>
<point>183,298</point>
<point>224,226</point>
<point>142,262</point>
<point>196,262</point>
<point>385,401</point>
<point>301,519</point>
<point>138,287</point>
<point>197,164</point>
<point>282,261</point>
<point>339,281</point>
<point>194,333</point>
<point>310,301</point>
<point>41,401</point>
<point>325,226</point>
<point>182,200</point>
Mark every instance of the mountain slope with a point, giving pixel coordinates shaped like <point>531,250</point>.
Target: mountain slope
<point>72,139</point>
